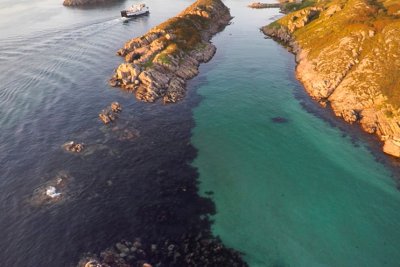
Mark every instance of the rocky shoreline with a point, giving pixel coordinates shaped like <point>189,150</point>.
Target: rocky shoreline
<point>259,5</point>
<point>85,2</point>
<point>158,64</point>
<point>190,250</point>
<point>339,73</point>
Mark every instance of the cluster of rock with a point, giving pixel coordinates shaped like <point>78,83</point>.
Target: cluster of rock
<point>85,2</point>
<point>159,63</point>
<point>125,132</point>
<point>264,5</point>
<point>190,250</point>
<point>52,191</point>
<point>73,147</point>
<point>354,68</point>
<point>109,114</point>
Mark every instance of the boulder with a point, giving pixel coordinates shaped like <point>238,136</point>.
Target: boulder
<point>93,263</point>
<point>116,107</point>
<point>72,146</point>
<point>122,248</point>
<point>392,147</point>
<point>107,116</point>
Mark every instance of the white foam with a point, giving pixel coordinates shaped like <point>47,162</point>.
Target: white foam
<point>51,192</point>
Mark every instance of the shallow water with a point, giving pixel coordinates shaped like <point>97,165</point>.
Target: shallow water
<point>295,193</point>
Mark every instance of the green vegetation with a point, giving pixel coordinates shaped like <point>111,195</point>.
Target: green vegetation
<point>149,63</point>
<point>188,26</point>
<point>164,58</point>
<point>184,32</point>
<point>293,6</point>
<point>362,34</point>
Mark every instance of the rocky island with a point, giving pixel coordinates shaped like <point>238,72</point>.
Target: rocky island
<point>158,64</point>
<point>85,2</point>
<point>348,55</point>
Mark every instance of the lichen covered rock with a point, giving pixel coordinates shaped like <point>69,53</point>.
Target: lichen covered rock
<point>159,62</point>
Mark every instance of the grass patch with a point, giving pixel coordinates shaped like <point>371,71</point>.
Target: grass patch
<point>291,7</point>
<point>364,30</point>
<point>164,58</point>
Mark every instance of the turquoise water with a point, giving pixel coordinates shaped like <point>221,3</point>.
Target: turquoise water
<point>287,194</point>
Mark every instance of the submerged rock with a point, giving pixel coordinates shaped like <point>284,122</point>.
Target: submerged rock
<point>90,262</point>
<point>116,107</point>
<point>279,120</point>
<point>52,191</point>
<point>189,250</point>
<point>86,2</point>
<point>109,114</point>
<point>72,146</point>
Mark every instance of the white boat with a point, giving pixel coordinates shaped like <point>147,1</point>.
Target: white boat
<point>135,10</point>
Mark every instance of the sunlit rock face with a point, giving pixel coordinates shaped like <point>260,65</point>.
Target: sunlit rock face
<point>158,64</point>
<point>348,56</point>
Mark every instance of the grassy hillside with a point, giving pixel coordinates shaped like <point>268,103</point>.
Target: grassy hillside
<point>349,56</point>
<point>158,63</point>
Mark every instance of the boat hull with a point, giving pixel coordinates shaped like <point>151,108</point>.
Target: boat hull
<point>126,14</point>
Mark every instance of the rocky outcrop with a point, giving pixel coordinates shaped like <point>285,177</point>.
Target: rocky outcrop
<point>189,250</point>
<point>73,147</point>
<point>110,114</point>
<point>53,191</point>
<point>158,64</point>
<point>86,2</point>
<point>259,5</point>
<point>348,57</point>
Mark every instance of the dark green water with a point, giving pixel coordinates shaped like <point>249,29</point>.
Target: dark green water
<point>287,194</point>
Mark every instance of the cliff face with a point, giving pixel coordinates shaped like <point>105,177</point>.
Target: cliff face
<point>348,55</point>
<point>158,63</point>
<point>85,2</point>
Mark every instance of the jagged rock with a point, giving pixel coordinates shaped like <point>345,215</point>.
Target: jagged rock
<point>71,146</point>
<point>156,60</point>
<point>109,114</point>
<point>356,71</point>
<point>106,116</point>
<point>85,2</point>
<point>264,5</point>
<point>116,107</point>
<point>369,128</point>
<point>188,250</point>
<point>93,263</point>
<point>122,248</point>
<point>392,147</point>
<point>122,52</point>
<point>113,82</point>
<point>351,116</point>
<point>176,90</point>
